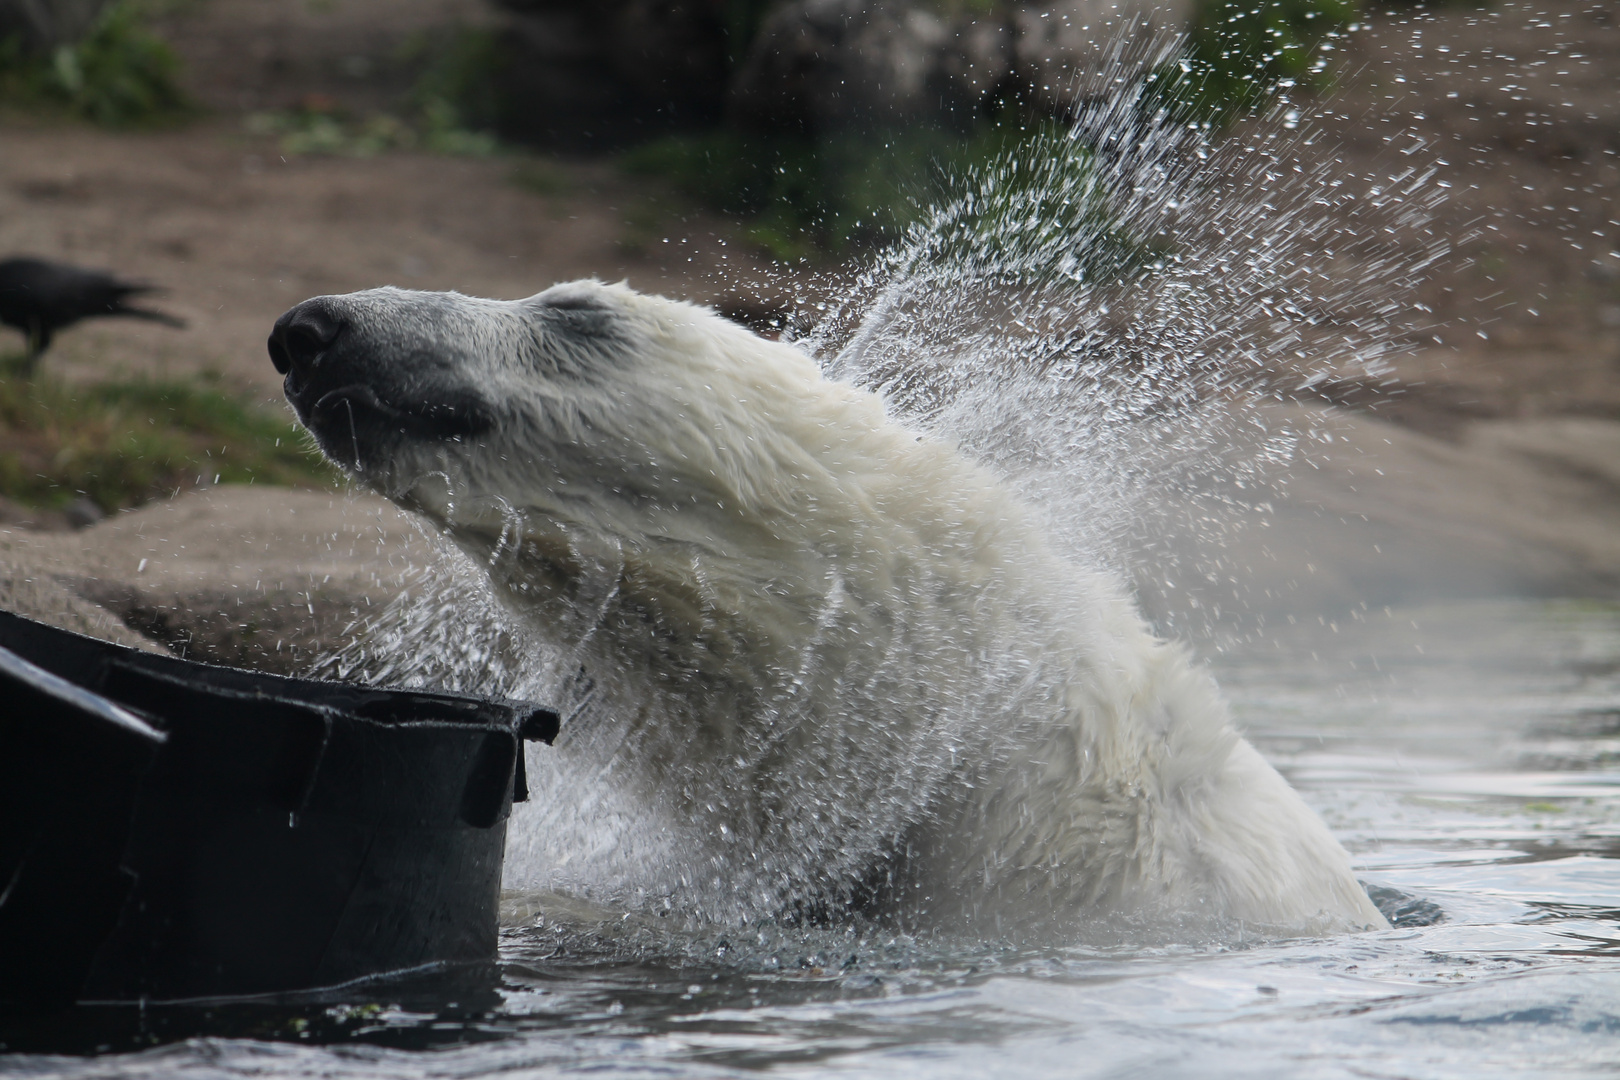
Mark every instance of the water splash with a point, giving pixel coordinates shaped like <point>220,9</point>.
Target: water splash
<point>446,631</point>
<point>1108,317</point>
<point>1105,317</point>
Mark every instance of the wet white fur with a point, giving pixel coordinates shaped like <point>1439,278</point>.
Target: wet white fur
<point>831,649</point>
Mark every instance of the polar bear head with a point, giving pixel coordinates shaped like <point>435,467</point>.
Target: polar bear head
<point>588,403</point>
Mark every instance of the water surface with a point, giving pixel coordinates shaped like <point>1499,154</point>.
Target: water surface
<point>1469,756</point>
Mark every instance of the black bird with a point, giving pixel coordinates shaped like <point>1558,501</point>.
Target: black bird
<point>40,297</point>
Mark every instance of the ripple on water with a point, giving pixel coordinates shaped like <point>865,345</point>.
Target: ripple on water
<point>1520,977</point>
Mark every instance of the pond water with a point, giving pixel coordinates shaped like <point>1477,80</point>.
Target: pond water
<point>1469,757</point>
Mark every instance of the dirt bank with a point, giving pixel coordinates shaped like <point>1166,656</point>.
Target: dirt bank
<point>237,234</point>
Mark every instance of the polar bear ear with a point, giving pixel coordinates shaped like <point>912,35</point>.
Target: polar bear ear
<point>586,295</point>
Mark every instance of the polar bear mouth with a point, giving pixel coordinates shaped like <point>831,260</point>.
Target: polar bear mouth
<point>351,422</point>
<point>435,420</point>
<point>348,392</point>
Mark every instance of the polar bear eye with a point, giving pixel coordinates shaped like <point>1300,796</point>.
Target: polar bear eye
<point>574,302</point>
<point>582,337</point>
<point>573,297</point>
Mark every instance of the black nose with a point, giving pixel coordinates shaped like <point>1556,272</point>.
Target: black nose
<point>302,334</point>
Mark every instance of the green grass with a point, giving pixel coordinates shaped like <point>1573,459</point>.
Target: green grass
<point>319,126</point>
<point>126,442</point>
<point>315,128</point>
<point>121,75</point>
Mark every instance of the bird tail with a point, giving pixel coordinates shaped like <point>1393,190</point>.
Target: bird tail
<point>150,316</point>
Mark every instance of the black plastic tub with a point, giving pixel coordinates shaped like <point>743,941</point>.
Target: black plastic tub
<point>171,830</point>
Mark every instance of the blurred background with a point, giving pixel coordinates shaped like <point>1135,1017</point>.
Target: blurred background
<point>242,155</point>
<point>1406,581</point>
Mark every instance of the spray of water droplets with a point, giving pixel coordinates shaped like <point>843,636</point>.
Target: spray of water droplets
<point>1107,317</point>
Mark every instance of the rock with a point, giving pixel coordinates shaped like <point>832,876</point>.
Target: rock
<point>556,85</point>
<point>82,513</point>
<point>594,76</point>
<point>268,578</point>
<point>262,578</point>
<point>1061,49</point>
<point>1375,513</point>
<point>672,54</point>
<point>42,25</point>
<point>28,589</point>
<point>822,65</point>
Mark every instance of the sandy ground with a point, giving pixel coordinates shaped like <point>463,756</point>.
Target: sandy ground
<point>238,232</point>
<point>1493,471</point>
<point>237,235</point>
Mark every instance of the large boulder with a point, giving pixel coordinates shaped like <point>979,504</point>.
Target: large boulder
<point>614,72</point>
<point>828,64</point>
<point>42,25</point>
<point>254,577</point>
<point>824,65</point>
<point>1072,49</point>
<point>596,76</point>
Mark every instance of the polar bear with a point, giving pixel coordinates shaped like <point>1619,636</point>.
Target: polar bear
<point>843,662</point>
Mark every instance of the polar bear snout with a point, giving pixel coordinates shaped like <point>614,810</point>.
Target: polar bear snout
<point>302,335</point>
<point>305,348</point>
<point>363,384</point>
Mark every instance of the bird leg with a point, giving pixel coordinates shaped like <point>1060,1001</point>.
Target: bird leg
<point>39,339</point>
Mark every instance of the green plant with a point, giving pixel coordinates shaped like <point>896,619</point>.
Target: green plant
<point>1240,52</point>
<point>801,197</point>
<point>456,97</point>
<point>444,132</point>
<point>123,443</point>
<point>120,75</point>
<point>1037,210</point>
<point>319,126</point>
